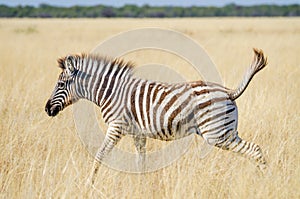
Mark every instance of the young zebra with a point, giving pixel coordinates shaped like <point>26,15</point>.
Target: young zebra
<point>142,108</point>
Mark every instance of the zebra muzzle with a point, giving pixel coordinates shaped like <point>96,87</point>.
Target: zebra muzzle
<point>51,110</point>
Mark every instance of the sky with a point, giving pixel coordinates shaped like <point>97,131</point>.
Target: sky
<point>119,3</point>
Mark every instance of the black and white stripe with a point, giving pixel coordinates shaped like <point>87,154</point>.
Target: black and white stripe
<point>158,110</point>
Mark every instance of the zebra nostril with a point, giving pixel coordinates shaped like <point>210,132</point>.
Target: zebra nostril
<point>47,108</point>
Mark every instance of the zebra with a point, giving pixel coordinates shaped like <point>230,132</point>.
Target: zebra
<point>150,109</point>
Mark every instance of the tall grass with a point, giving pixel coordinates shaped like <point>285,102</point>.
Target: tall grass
<point>43,157</point>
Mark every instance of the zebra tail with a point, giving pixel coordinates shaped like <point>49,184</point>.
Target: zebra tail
<point>258,63</point>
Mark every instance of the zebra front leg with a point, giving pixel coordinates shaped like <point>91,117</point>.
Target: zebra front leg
<point>140,145</point>
<point>112,137</point>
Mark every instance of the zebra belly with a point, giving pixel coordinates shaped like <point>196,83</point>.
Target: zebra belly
<point>172,128</point>
<point>170,136</point>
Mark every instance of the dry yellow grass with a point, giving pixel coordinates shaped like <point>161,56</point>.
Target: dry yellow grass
<point>43,157</point>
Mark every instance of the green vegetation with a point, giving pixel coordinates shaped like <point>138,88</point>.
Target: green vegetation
<point>48,11</point>
<point>27,30</point>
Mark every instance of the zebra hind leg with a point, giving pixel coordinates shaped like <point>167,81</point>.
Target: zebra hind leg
<point>233,142</point>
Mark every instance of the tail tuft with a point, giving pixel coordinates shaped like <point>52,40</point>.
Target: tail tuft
<point>258,63</point>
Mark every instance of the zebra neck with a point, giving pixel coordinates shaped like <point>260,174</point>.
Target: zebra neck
<point>111,88</point>
<point>103,82</point>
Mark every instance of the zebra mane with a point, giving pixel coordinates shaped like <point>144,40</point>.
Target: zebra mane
<point>113,62</point>
<point>103,60</point>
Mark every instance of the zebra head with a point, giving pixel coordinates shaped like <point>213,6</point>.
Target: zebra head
<point>64,91</point>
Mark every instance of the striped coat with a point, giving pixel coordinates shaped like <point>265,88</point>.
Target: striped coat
<point>149,109</point>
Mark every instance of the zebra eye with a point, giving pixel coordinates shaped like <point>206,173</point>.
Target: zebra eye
<point>61,84</point>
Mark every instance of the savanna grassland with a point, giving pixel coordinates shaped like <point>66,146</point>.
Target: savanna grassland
<point>42,157</point>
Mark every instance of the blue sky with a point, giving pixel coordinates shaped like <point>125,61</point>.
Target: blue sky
<point>149,2</point>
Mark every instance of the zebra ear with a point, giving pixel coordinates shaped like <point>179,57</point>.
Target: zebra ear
<point>69,63</point>
<point>61,63</point>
